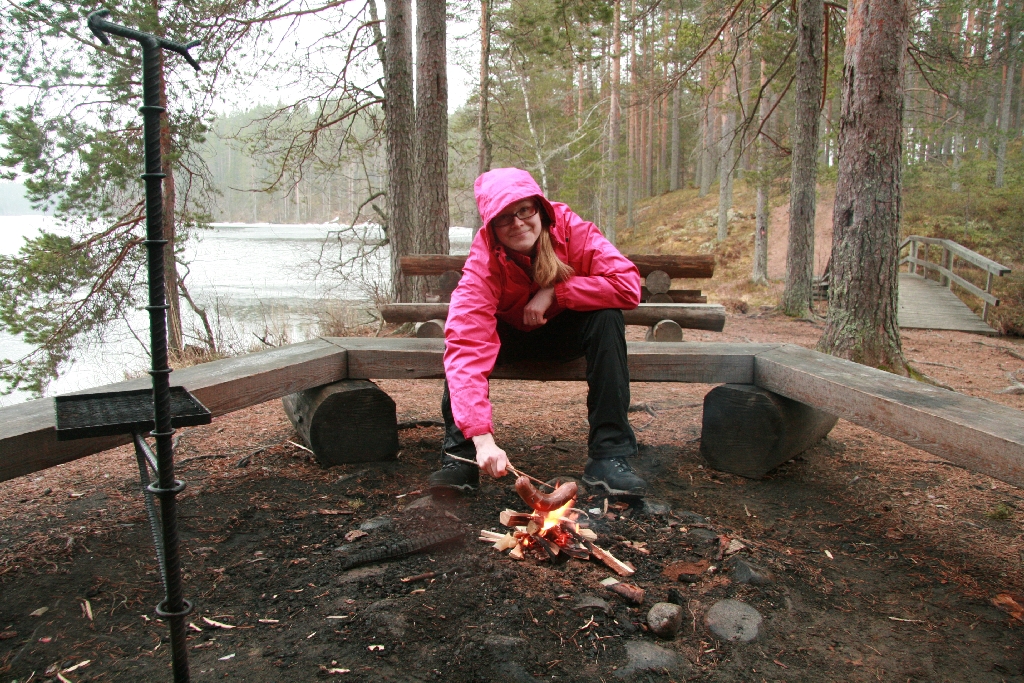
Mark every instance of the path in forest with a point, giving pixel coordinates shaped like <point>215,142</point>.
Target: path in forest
<point>778,236</point>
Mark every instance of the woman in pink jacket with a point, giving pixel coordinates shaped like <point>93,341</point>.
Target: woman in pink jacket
<point>540,283</point>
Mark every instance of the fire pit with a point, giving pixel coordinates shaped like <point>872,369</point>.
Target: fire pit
<point>551,534</point>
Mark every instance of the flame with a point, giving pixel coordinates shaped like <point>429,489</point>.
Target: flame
<point>554,518</point>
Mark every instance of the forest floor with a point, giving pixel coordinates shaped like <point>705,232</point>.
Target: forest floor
<point>883,561</point>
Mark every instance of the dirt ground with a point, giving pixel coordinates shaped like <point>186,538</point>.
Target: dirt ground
<point>884,561</point>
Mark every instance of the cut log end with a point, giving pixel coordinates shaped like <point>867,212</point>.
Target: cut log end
<point>658,282</point>
<point>431,329</point>
<point>345,422</point>
<point>665,331</point>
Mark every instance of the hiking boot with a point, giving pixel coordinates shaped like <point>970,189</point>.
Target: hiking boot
<point>455,476</point>
<point>615,475</point>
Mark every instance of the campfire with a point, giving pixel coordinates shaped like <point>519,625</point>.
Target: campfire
<point>552,531</point>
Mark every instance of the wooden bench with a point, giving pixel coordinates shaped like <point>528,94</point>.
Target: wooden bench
<point>680,308</point>
<point>978,434</point>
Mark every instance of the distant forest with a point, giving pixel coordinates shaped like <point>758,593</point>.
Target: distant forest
<point>242,165</point>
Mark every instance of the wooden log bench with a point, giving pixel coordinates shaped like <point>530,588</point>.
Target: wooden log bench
<point>658,271</point>
<point>794,397</point>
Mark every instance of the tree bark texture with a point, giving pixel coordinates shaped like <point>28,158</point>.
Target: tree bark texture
<point>400,122</point>
<point>862,324</point>
<point>796,299</point>
<point>432,219</point>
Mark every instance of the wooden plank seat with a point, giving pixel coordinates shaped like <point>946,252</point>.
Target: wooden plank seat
<point>981,435</point>
<point>692,316</point>
<point>658,270</point>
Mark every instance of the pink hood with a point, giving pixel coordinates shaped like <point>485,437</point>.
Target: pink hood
<point>500,187</point>
<point>497,285</point>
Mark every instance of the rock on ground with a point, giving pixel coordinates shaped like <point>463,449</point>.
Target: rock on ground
<point>664,619</point>
<point>646,656</point>
<point>733,621</point>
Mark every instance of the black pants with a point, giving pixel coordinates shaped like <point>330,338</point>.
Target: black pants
<point>600,336</point>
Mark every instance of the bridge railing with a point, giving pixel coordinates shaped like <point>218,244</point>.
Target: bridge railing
<point>945,267</point>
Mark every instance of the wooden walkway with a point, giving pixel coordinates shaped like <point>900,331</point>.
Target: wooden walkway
<point>927,305</point>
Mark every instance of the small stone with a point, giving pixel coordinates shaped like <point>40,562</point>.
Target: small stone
<point>591,603</point>
<point>376,523</point>
<point>664,619</point>
<point>747,572</point>
<point>656,508</point>
<point>701,536</point>
<point>733,621</point>
<point>646,656</point>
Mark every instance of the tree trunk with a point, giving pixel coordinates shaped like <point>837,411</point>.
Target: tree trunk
<point>862,323</point>
<point>484,161</point>
<point>1009,72</point>
<point>615,116</point>
<point>728,157</point>
<point>432,219</point>
<point>400,120</point>
<point>673,119</point>
<point>796,299</point>
<point>708,134</point>
<point>759,276</point>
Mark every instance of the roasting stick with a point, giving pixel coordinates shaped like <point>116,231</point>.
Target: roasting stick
<point>513,470</point>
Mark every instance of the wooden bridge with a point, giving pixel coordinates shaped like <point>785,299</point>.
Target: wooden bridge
<point>931,304</point>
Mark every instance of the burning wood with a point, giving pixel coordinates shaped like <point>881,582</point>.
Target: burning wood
<point>551,534</point>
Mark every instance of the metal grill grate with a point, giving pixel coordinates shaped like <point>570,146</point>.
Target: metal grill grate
<point>81,416</point>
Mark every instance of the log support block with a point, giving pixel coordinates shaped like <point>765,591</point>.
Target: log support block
<point>665,331</point>
<point>749,431</point>
<point>345,422</point>
<point>431,329</point>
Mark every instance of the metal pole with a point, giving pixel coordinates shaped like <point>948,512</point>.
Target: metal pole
<point>174,608</point>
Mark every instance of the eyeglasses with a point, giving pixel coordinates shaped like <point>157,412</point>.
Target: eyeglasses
<point>522,214</point>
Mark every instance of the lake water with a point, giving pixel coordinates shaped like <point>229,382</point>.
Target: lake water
<point>256,281</point>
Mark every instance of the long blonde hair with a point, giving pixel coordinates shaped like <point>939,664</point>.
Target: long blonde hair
<point>548,269</point>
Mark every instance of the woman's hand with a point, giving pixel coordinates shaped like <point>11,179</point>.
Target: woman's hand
<point>489,457</point>
<point>533,314</point>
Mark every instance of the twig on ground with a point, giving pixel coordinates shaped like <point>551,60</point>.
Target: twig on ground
<point>244,460</point>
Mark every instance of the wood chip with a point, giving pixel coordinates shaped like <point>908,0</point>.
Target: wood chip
<point>355,534</point>
<point>506,542</point>
<point>632,593</point>
<point>218,624</point>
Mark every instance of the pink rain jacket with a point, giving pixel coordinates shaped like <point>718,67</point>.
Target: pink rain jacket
<point>495,284</point>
